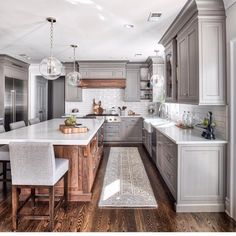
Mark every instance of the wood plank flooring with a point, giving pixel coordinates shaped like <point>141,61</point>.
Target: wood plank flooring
<point>88,217</point>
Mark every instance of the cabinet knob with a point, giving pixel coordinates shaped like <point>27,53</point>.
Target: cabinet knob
<point>185,94</point>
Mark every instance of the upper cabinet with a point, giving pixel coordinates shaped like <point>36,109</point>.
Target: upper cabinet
<point>188,74</point>
<point>132,90</point>
<point>199,74</point>
<point>102,69</point>
<point>170,71</point>
<point>72,94</point>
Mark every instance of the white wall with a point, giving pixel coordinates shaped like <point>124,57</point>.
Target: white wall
<point>231,164</point>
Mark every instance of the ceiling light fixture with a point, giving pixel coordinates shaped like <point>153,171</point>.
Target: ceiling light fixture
<point>154,16</point>
<point>50,67</point>
<point>74,78</point>
<point>129,26</point>
<point>138,54</point>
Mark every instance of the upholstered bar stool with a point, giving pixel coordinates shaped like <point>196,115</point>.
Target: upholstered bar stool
<point>33,165</point>
<point>34,121</point>
<point>4,159</point>
<point>17,125</point>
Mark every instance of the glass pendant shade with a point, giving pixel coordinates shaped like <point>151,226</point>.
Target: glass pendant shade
<point>50,68</point>
<point>74,78</point>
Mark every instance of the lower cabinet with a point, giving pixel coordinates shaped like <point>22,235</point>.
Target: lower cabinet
<point>147,141</point>
<point>112,132</point>
<point>129,130</point>
<point>194,174</point>
<point>132,129</point>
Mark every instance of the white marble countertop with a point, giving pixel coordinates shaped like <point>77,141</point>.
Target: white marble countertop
<point>183,136</point>
<point>48,131</point>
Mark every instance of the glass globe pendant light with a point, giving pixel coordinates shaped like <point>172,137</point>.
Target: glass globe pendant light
<point>50,67</point>
<point>74,78</point>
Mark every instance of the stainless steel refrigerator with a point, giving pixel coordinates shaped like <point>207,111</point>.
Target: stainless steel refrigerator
<point>15,103</point>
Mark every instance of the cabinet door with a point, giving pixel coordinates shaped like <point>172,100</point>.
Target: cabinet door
<point>193,68</point>
<point>132,129</point>
<point>102,73</point>
<point>72,94</point>
<point>170,72</point>
<point>212,62</point>
<point>118,74</point>
<point>132,90</point>
<point>112,132</point>
<point>201,174</point>
<point>188,67</point>
<point>183,68</point>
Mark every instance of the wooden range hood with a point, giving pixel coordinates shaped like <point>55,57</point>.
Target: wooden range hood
<point>103,83</point>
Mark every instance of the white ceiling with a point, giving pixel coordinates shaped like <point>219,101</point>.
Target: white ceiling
<point>95,25</point>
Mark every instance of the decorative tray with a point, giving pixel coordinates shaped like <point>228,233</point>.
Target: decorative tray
<point>184,127</point>
<point>73,129</point>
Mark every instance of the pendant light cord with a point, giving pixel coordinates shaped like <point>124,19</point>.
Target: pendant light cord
<point>51,38</point>
<point>74,59</point>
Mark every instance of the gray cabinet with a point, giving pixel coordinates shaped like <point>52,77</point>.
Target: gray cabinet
<point>188,77</point>
<point>129,130</point>
<point>112,132</point>
<point>201,63</point>
<point>132,129</point>
<point>171,71</point>
<point>102,69</point>
<point>132,90</point>
<point>201,49</point>
<point>147,141</point>
<point>194,174</point>
<point>166,161</point>
<point>72,94</point>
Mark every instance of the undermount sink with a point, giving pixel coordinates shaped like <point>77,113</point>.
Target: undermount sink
<point>148,123</point>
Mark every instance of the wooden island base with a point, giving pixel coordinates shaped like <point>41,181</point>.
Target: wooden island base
<point>83,165</point>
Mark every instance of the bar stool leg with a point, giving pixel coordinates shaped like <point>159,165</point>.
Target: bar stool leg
<point>15,202</point>
<point>51,207</point>
<point>4,168</point>
<point>66,190</point>
<point>33,196</point>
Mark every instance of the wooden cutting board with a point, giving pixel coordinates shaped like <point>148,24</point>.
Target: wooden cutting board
<point>72,130</point>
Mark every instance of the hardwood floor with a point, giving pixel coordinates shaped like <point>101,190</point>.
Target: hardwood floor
<point>89,218</point>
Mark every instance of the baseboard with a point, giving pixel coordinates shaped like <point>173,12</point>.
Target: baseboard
<point>227,206</point>
<point>200,207</point>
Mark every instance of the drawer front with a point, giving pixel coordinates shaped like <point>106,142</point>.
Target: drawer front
<point>170,177</point>
<point>111,137</point>
<point>132,120</point>
<point>112,128</point>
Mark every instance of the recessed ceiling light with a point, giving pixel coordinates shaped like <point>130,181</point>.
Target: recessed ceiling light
<point>129,26</point>
<point>154,16</point>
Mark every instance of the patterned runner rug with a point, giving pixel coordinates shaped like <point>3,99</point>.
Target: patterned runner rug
<point>126,183</point>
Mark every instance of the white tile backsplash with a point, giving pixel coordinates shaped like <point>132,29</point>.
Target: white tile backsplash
<point>109,98</point>
<point>115,97</point>
<point>220,115</point>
